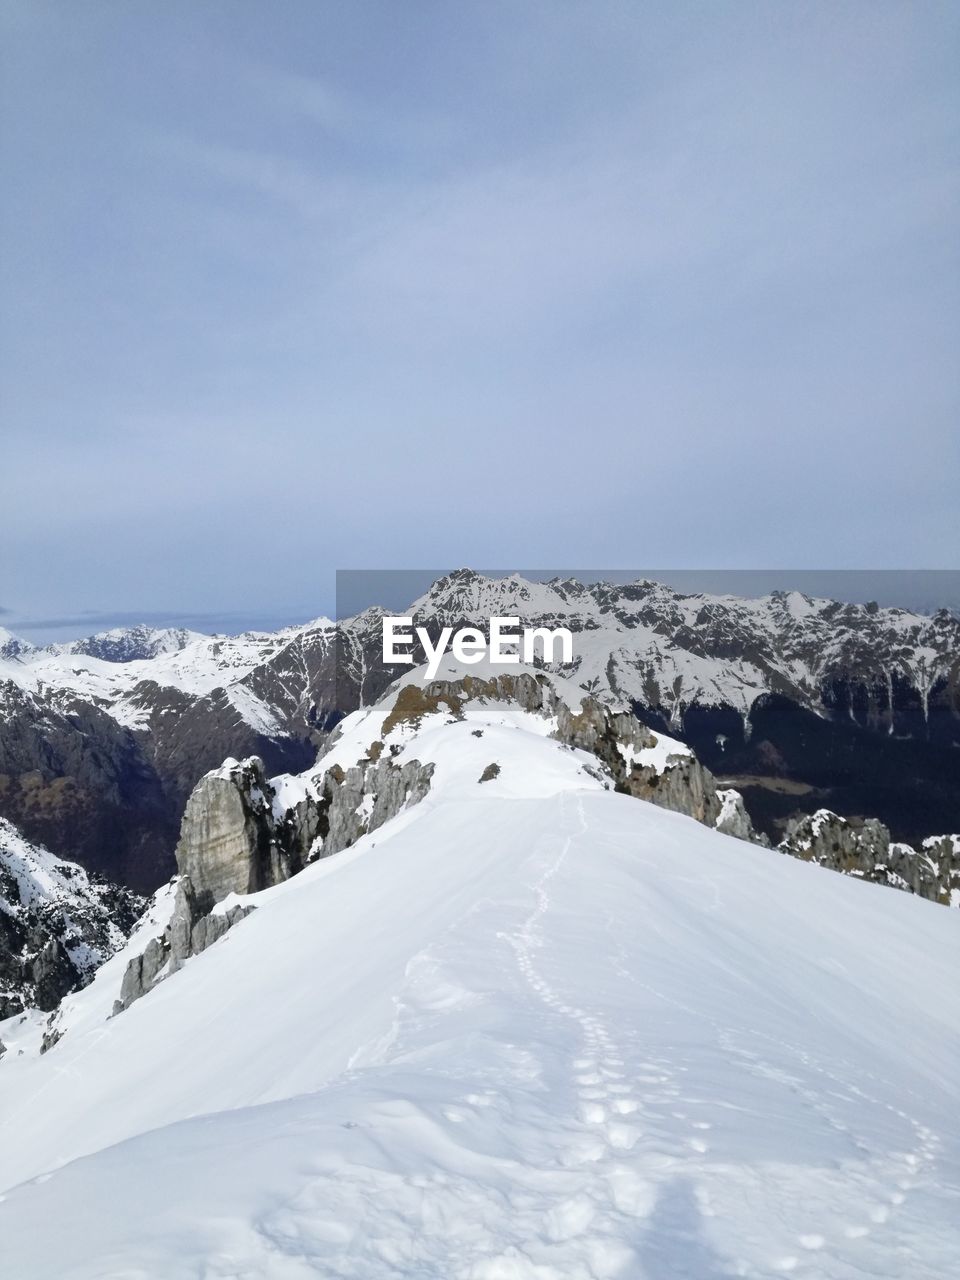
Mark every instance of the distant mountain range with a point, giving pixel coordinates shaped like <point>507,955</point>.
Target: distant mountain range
<point>798,702</point>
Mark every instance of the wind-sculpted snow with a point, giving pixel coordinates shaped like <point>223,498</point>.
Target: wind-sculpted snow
<point>529,1029</point>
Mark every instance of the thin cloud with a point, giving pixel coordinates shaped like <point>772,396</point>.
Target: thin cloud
<point>344,115</point>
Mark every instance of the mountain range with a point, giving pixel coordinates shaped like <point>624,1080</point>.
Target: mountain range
<point>799,703</point>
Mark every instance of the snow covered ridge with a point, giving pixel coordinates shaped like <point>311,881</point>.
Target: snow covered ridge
<point>527,1027</point>
<point>57,926</point>
<point>243,833</point>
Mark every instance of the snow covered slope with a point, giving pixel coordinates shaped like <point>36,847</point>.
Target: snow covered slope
<point>529,1029</point>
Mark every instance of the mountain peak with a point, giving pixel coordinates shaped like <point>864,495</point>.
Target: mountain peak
<point>12,646</point>
<point>130,644</point>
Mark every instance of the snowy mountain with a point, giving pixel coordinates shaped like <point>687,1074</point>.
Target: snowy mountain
<point>129,644</point>
<point>520,1024</point>
<point>884,668</point>
<point>799,704</point>
<point>12,646</point>
<point>56,925</point>
<point>649,644</point>
<point>109,668</point>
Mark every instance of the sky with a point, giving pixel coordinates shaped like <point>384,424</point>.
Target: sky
<point>292,288</point>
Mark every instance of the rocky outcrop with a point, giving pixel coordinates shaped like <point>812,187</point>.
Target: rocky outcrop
<point>355,801</point>
<point>943,852</point>
<point>229,842</point>
<point>190,931</point>
<point>57,925</point>
<point>733,819</point>
<point>232,842</point>
<point>684,786</point>
<point>864,849</point>
<point>236,839</point>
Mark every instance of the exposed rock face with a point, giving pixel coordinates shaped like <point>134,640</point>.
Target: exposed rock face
<point>232,843</point>
<point>832,841</point>
<point>228,838</point>
<point>864,849</point>
<point>56,924</point>
<point>78,783</point>
<point>685,786</point>
<point>944,853</point>
<point>733,819</point>
<point>358,800</point>
<point>190,931</point>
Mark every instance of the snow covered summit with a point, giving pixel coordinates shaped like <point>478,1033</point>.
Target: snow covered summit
<point>526,1028</point>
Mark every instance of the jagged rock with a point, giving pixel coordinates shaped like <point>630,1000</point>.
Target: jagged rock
<point>685,786</point>
<point>832,841</point>
<point>944,853</point>
<point>228,838</point>
<point>56,924</point>
<point>52,973</point>
<point>734,820</point>
<point>141,973</point>
<point>298,828</point>
<point>362,798</point>
<point>864,849</point>
<point>190,930</point>
<point>490,772</point>
<point>50,1038</point>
